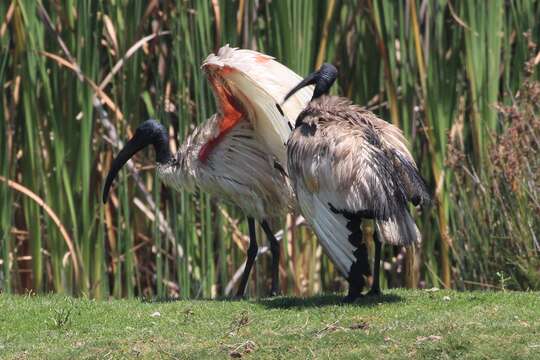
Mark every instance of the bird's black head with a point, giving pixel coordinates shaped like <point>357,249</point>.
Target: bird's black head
<point>149,132</point>
<point>323,79</point>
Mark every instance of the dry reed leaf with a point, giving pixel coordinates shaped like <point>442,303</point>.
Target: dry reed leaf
<point>132,50</point>
<point>110,32</point>
<point>38,200</point>
<point>7,19</point>
<point>106,99</point>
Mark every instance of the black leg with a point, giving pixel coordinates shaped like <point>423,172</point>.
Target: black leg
<point>251,255</point>
<point>375,287</point>
<point>274,249</point>
<point>358,273</point>
<point>359,270</point>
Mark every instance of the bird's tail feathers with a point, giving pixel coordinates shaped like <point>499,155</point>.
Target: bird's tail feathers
<point>399,229</point>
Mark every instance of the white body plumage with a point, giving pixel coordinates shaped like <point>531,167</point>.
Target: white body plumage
<point>239,153</point>
<point>239,170</point>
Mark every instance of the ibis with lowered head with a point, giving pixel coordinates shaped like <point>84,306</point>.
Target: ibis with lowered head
<point>345,165</point>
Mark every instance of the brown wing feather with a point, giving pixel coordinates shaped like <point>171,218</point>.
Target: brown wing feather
<point>359,160</point>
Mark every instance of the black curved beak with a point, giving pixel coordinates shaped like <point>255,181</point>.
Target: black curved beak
<point>323,79</point>
<point>149,132</point>
<point>308,80</point>
<point>133,146</point>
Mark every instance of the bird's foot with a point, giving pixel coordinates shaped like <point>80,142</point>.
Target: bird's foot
<point>352,296</point>
<point>275,291</point>
<point>374,292</point>
<point>351,299</point>
<point>239,296</point>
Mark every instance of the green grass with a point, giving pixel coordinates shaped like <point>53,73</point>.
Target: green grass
<point>401,324</point>
<point>440,70</point>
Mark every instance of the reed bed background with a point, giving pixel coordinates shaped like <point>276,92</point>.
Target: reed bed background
<point>77,76</point>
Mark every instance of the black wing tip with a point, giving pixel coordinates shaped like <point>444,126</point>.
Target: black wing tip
<point>280,109</point>
<point>420,200</point>
<point>421,196</point>
<point>420,192</point>
<point>280,168</point>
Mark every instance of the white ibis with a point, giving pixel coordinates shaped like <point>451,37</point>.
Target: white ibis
<point>239,153</point>
<point>345,165</point>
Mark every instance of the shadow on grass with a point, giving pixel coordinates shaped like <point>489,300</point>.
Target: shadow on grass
<point>286,302</point>
<point>218,299</point>
<point>326,300</point>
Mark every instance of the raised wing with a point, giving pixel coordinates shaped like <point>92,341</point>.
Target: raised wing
<point>261,83</point>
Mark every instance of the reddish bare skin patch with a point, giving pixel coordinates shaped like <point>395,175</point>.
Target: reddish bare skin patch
<point>207,148</point>
<point>261,59</point>
<point>231,110</point>
<point>226,70</point>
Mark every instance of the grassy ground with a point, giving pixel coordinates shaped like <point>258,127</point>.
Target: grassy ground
<point>401,324</point>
